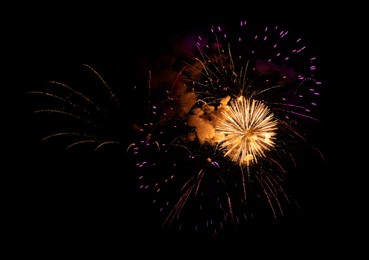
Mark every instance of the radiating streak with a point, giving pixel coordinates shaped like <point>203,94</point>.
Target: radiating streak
<point>60,99</point>
<point>88,100</point>
<point>107,143</point>
<point>61,112</point>
<point>176,210</point>
<point>112,94</point>
<point>66,134</point>
<point>80,143</point>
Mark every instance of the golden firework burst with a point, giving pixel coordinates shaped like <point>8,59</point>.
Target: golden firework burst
<point>246,130</point>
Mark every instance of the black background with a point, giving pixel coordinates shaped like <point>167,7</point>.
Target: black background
<point>86,205</point>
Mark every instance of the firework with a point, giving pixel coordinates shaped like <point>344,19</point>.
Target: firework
<point>246,130</point>
<point>219,137</point>
<point>75,117</point>
<point>224,139</point>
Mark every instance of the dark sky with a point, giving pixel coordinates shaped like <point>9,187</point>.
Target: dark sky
<point>85,204</point>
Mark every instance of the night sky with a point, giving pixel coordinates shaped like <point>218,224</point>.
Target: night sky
<point>87,204</point>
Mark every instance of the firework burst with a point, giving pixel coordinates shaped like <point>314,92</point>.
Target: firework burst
<point>223,140</point>
<point>246,130</point>
<point>220,139</point>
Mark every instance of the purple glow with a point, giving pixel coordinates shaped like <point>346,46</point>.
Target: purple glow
<point>303,48</point>
<point>215,164</point>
